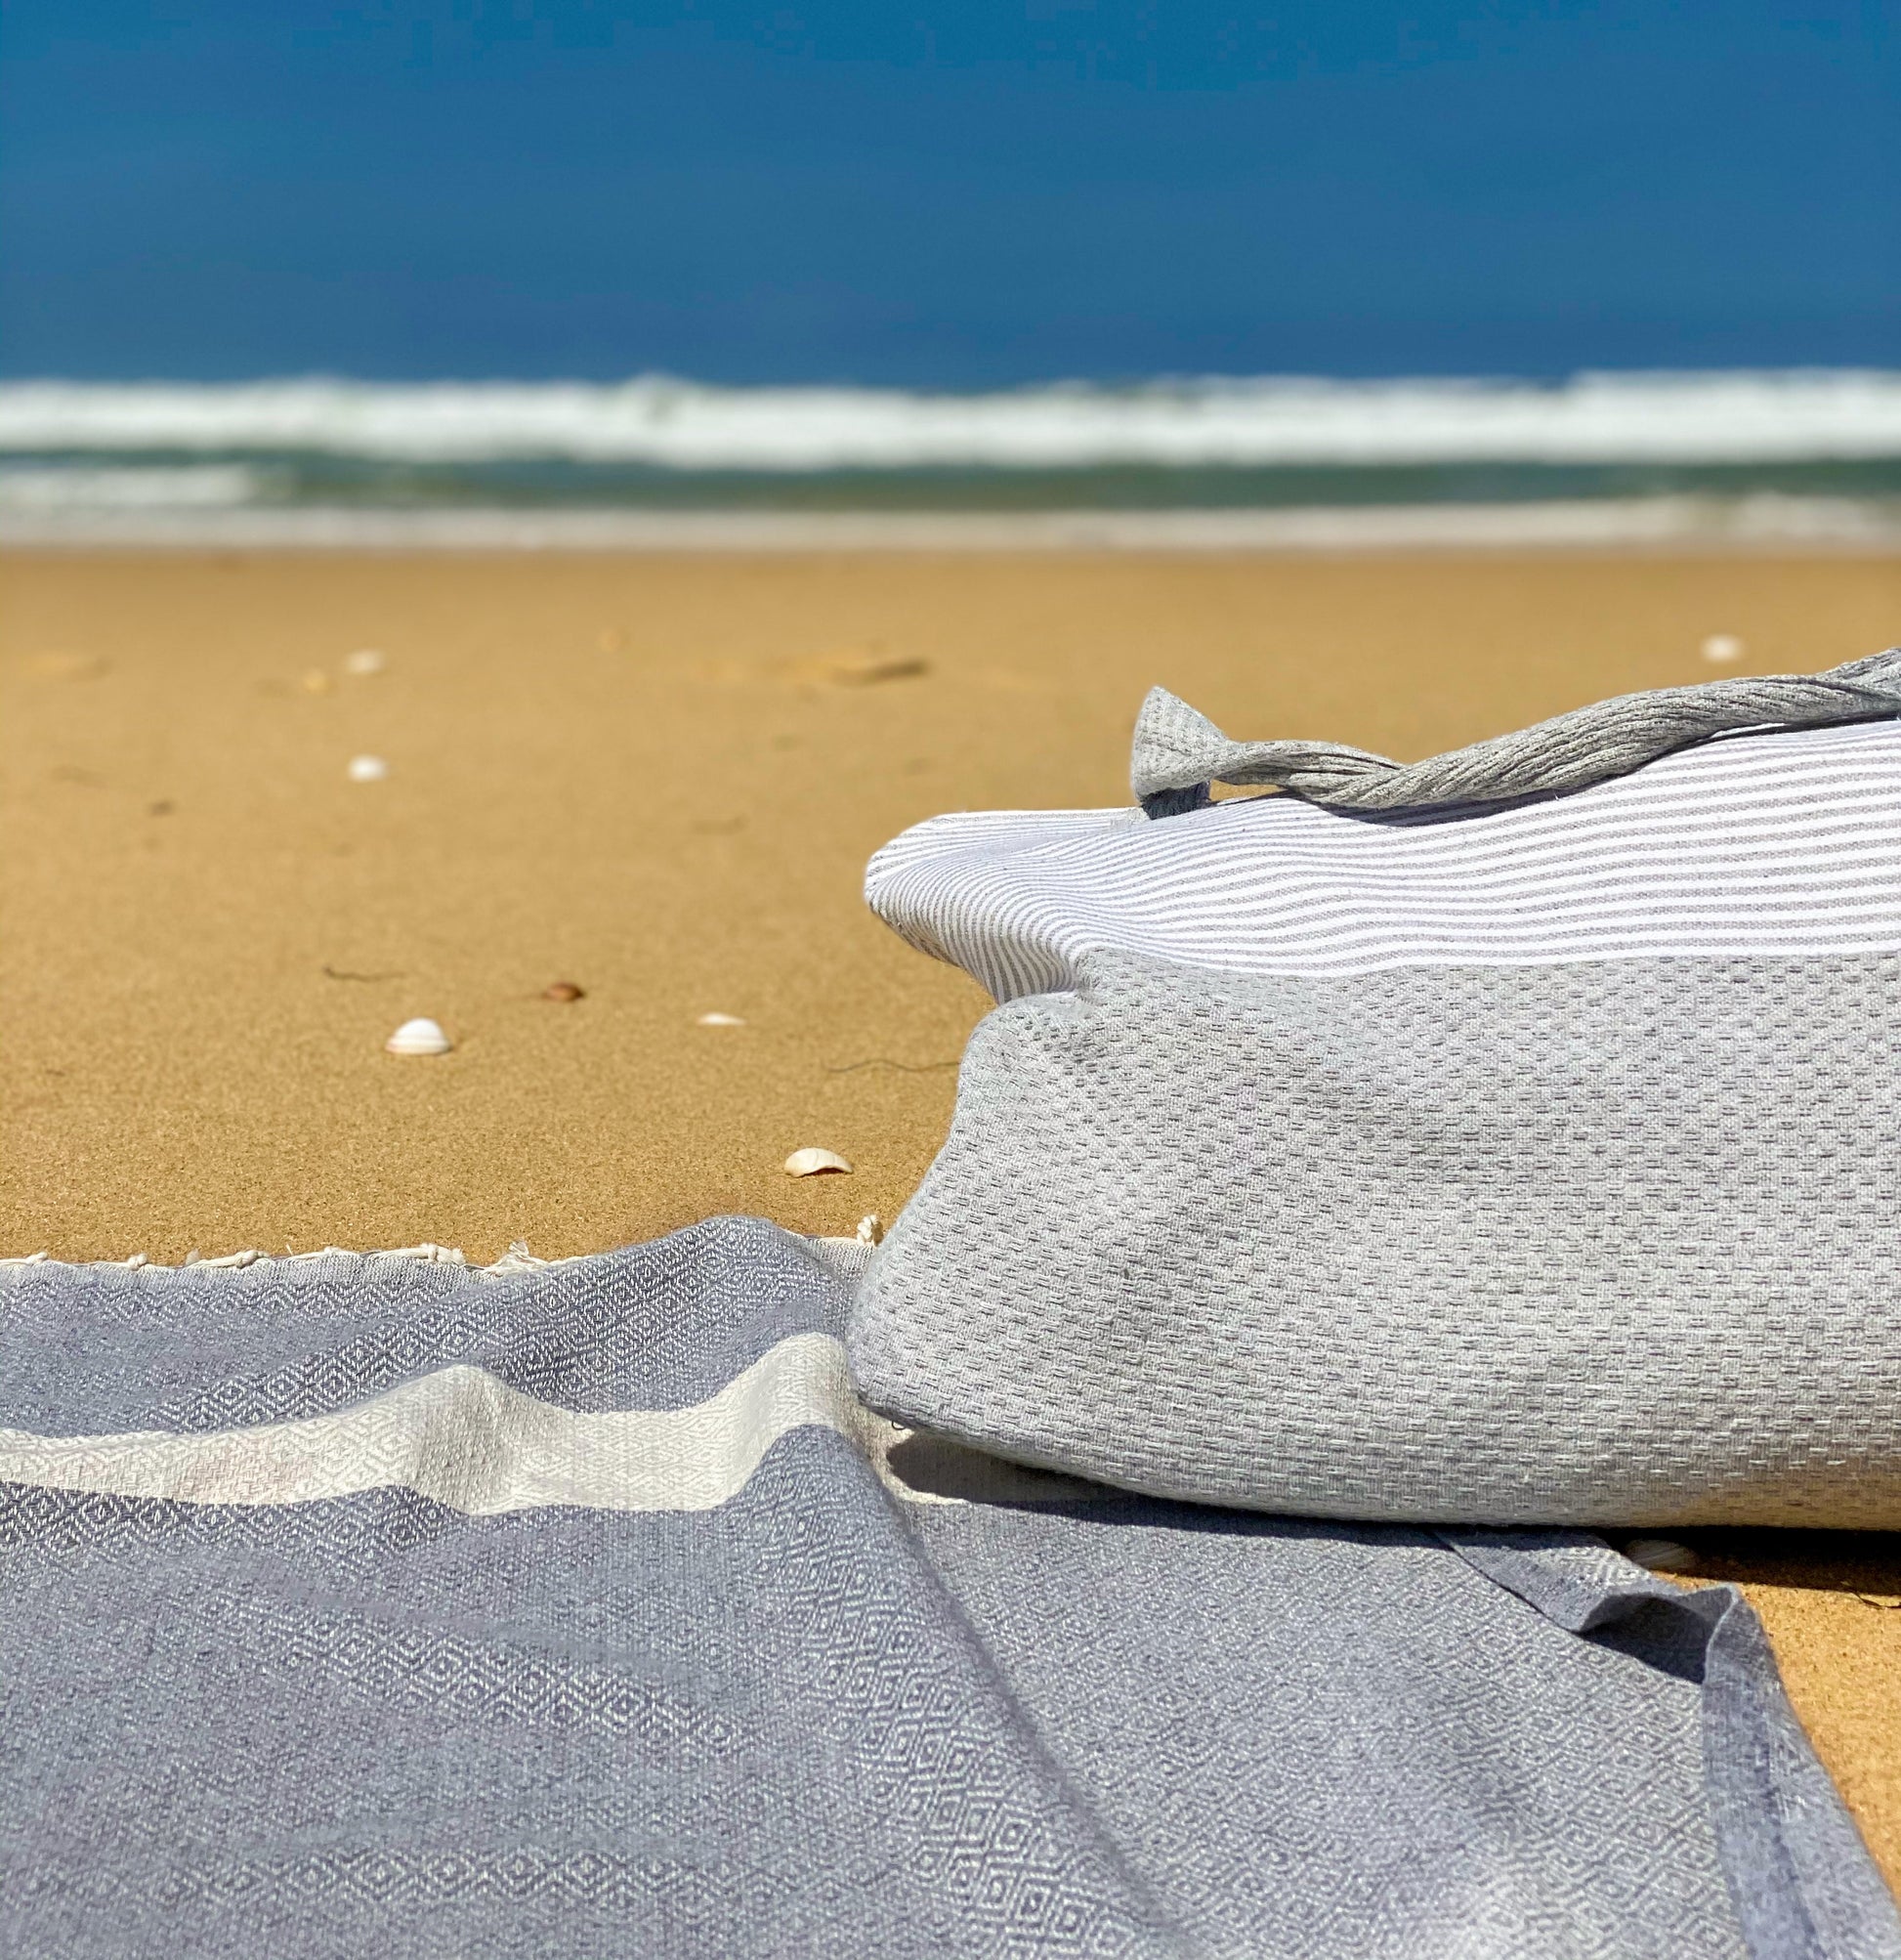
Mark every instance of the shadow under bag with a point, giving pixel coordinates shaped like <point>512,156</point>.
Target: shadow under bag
<point>1513,1136</point>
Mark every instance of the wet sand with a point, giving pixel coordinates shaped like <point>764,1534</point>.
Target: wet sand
<point>660,778</point>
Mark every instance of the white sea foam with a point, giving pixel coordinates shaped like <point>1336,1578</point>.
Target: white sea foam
<point>1683,418</point>
<point>191,486</point>
<point>1756,523</point>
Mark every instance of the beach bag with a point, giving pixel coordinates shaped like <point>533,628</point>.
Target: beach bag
<point>1513,1136</point>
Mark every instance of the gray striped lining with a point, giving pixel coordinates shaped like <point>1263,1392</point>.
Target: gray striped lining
<point>1762,844</point>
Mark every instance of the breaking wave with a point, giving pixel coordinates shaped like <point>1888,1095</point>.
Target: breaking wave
<point>1715,419</point>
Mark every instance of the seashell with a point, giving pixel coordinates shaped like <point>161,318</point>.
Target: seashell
<point>870,1229</point>
<point>1660,1555</point>
<point>420,1037</point>
<point>317,681</point>
<point>366,660</point>
<point>811,1163</point>
<point>564,990</point>
<point>719,1021</point>
<point>1722,648</point>
<point>367,769</point>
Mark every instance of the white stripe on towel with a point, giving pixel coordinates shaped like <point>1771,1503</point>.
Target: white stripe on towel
<point>468,1441</point>
<point>1766,843</point>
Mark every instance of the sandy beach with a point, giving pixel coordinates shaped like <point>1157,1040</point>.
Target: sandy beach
<point>658,777</point>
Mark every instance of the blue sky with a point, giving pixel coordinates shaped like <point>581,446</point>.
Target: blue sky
<point>962,195</point>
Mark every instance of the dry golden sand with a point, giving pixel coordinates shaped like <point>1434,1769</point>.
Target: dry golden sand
<point>660,778</point>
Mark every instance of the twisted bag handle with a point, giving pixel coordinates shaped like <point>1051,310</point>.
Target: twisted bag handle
<point>1178,753</point>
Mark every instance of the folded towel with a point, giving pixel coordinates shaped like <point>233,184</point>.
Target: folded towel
<point>368,1605</point>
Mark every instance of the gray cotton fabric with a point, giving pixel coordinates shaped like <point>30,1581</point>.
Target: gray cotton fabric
<point>1532,1161</point>
<point>642,1636</point>
<point>1176,749</point>
<point>1594,1244</point>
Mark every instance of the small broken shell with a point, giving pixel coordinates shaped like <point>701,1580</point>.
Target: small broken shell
<point>420,1037</point>
<point>317,681</point>
<point>717,1020</point>
<point>363,661</point>
<point>870,1229</point>
<point>564,990</point>
<point>1719,649</point>
<point>1660,1555</point>
<point>811,1163</point>
<point>367,769</point>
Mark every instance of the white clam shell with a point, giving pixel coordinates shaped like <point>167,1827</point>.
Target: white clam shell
<point>811,1163</point>
<point>1722,648</point>
<point>420,1037</point>
<point>364,660</point>
<point>719,1021</point>
<point>1660,1555</point>
<point>367,769</point>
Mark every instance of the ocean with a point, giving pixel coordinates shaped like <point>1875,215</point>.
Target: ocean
<point>1794,456</point>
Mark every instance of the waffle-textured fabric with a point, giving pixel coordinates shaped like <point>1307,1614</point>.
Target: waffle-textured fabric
<point>1530,1161</point>
<point>357,1606</point>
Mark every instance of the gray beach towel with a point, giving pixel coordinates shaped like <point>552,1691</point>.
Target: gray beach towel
<point>1532,1157</point>
<point>357,1606</point>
